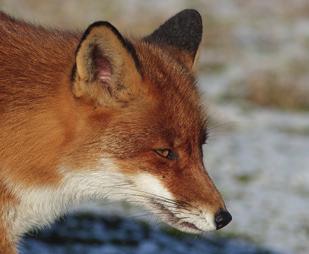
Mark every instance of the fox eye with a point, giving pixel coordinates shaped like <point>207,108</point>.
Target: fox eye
<point>166,153</point>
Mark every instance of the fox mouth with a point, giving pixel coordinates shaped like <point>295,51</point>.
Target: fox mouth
<point>173,220</point>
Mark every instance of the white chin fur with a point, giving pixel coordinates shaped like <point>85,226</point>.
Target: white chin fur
<point>195,222</point>
<point>41,205</point>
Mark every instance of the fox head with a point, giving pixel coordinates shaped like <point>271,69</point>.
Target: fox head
<point>146,126</point>
<point>143,126</point>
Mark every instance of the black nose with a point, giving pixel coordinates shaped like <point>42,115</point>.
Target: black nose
<point>222,218</point>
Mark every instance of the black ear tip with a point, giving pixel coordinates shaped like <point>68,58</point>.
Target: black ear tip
<point>100,24</point>
<point>183,31</point>
<point>191,14</point>
<point>192,17</point>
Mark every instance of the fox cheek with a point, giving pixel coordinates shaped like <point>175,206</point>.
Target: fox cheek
<point>152,185</point>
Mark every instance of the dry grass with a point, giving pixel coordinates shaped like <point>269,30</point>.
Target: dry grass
<point>275,89</point>
<point>282,85</point>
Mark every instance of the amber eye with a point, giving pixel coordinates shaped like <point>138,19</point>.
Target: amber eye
<point>166,153</point>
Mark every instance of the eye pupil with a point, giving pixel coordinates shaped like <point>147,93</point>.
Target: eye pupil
<point>166,153</point>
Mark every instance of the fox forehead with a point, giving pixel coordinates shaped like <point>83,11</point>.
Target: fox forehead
<point>175,89</point>
<point>168,114</point>
<point>166,73</point>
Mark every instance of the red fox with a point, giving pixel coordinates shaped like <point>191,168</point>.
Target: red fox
<point>95,115</point>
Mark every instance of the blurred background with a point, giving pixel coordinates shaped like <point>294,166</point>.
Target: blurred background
<point>254,72</point>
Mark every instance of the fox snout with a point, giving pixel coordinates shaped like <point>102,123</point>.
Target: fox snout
<point>188,202</point>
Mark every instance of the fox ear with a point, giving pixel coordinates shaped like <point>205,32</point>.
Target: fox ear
<point>106,66</point>
<point>181,35</point>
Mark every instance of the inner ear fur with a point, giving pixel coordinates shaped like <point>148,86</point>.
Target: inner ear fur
<point>106,68</point>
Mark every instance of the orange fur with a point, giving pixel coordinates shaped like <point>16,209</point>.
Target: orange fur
<point>49,121</point>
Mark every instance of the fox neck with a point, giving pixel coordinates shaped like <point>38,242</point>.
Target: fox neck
<point>39,206</point>
<point>34,187</point>
<point>35,95</point>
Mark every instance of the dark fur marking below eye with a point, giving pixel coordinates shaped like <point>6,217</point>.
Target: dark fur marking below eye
<point>204,136</point>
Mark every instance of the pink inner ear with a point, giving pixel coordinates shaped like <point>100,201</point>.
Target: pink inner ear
<point>104,70</point>
<point>102,66</point>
